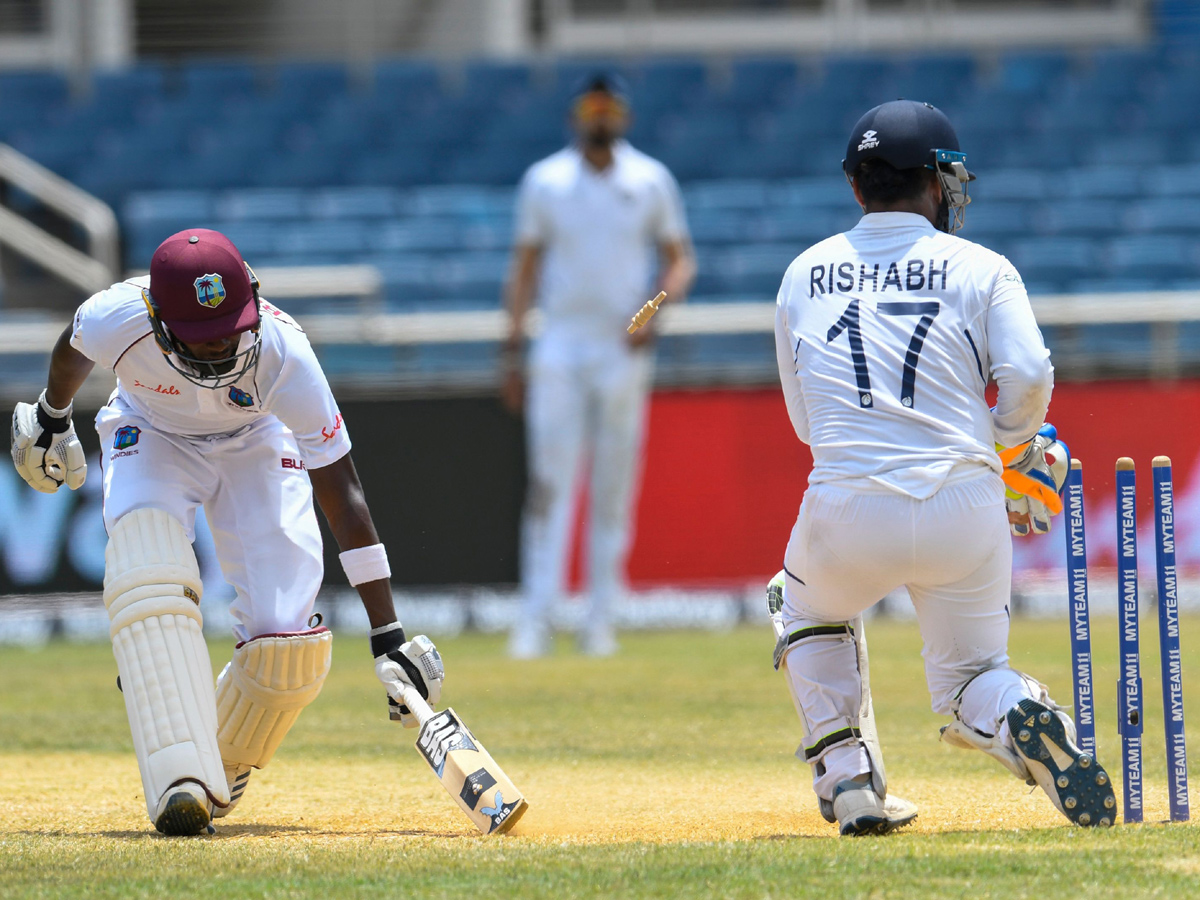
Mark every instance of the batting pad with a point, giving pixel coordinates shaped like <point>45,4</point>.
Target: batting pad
<point>152,592</point>
<point>262,691</point>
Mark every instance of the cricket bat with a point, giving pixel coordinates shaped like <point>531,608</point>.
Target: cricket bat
<point>465,768</point>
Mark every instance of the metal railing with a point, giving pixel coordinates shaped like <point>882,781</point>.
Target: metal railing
<point>91,271</point>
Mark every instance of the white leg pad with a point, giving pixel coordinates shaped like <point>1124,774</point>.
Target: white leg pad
<point>262,691</point>
<point>152,592</point>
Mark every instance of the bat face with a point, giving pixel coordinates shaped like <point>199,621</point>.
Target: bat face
<point>469,774</point>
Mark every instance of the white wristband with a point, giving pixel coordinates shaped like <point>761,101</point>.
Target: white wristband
<point>365,564</point>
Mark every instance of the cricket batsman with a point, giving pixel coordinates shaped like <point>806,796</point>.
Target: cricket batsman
<point>221,403</point>
<point>886,338</point>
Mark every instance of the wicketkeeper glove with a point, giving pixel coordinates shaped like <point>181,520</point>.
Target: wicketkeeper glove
<point>416,663</point>
<point>1035,474</point>
<point>45,448</point>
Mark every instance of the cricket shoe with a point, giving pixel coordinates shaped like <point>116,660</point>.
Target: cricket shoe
<point>183,811</point>
<point>531,641</point>
<point>1075,782</point>
<point>237,778</point>
<point>599,642</point>
<point>857,810</point>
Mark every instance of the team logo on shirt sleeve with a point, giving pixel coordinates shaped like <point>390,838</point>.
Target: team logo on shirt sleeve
<point>126,436</point>
<point>210,290</point>
<point>240,397</point>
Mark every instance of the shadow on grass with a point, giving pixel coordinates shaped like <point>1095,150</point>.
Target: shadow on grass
<point>249,830</point>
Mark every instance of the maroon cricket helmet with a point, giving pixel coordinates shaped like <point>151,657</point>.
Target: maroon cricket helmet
<point>201,286</point>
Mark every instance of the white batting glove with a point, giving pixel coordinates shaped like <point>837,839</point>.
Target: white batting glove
<point>414,663</point>
<point>45,448</point>
<point>1034,480</point>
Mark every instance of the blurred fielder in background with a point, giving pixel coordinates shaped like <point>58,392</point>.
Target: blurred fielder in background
<point>886,338</point>
<point>220,402</point>
<point>590,220</point>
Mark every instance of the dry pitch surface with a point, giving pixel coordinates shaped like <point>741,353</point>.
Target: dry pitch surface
<point>667,771</point>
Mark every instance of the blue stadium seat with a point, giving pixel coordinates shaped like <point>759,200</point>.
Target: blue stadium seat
<point>215,167</point>
<point>1013,184</point>
<point>802,227</point>
<point>272,204</point>
<point>214,83</point>
<point>395,166</point>
<point>406,84</point>
<point>720,226</point>
<point>1123,72</point>
<point>670,82</point>
<point>725,195</point>
<point>331,236</point>
<point>1033,73</point>
<point>1165,214</point>
<point>488,234</point>
<point>937,79</point>
<point>1153,258</point>
<point>312,83</point>
<point>46,89</point>
<point>1117,182</point>
<point>416,234</point>
<point>1173,181</point>
<point>854,81</point>
<point>160,207</point>
<point>985,221</point>
<point>61,150</point>
<point>1129,150</point>
<point>762,82</point>
<point>831,191</point>
<point>498,164</point>
<point>488,82</point>
<point>1056,260</point>
<point>1080,216</point>
<point>459,200</point>
<point>256,240</point>
<point>312,167</point>
<point>356,359</point>
<point>353,203</point>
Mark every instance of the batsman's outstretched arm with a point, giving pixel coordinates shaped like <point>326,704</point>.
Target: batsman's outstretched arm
<point>399,662</point>
<point>340,495</point>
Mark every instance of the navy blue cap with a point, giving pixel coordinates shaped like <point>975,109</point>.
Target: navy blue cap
<point>903,133</point>
<point>604,82</point>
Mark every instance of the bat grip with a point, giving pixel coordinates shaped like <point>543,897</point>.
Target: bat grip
<point>411,697</point>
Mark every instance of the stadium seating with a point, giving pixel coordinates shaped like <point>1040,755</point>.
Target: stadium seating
<point>1089,175</point>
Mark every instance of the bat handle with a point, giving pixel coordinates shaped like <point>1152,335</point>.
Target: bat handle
<point>411,697</point>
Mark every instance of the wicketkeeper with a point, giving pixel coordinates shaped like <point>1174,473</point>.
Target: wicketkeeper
<point>221,403</point>
<point>887,337</point>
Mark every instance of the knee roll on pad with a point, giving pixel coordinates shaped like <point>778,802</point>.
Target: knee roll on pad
<point>263,689</point>
<point>858,725</point>
<point>152,593</point>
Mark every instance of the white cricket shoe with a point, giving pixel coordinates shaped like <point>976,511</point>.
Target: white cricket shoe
<point>600,642</point>
<point>237,777</point>
<point>858,810</point>
<point>1075,782</point>
<point>528,641</point>
<point>183,810</point>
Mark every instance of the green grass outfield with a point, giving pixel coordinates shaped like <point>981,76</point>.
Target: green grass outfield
<point>665,772</point>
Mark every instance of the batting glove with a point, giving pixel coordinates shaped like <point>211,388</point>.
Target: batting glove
<point>1035,474</point>
<point>45,448</point>
<point>414,663</point>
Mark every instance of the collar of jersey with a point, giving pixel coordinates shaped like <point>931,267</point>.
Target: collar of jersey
<point>620,146</point>
<point>875,220</point>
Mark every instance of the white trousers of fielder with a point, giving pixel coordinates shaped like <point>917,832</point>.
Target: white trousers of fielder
<point>585,400</point>
<point>852,546</point>
<point>257,499</point>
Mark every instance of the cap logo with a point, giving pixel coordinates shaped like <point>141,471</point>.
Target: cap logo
<point>870,141</point>
<point>210,290</point>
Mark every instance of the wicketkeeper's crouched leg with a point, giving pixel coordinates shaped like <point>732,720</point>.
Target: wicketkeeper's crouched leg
<point>152,593</point>
<point>260,694</point>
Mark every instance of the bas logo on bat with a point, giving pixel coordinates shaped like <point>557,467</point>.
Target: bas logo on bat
<point>499,812</point>
<point>441,734</point>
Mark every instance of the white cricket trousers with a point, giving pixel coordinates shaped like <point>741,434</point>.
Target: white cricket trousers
<point>585,399</point>
<point>256,496</point>
<point>852,546</point>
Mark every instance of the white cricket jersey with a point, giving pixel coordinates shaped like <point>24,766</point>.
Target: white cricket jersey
<point>112,329</point>
<point>599,232</point>
<point>886,336</point>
